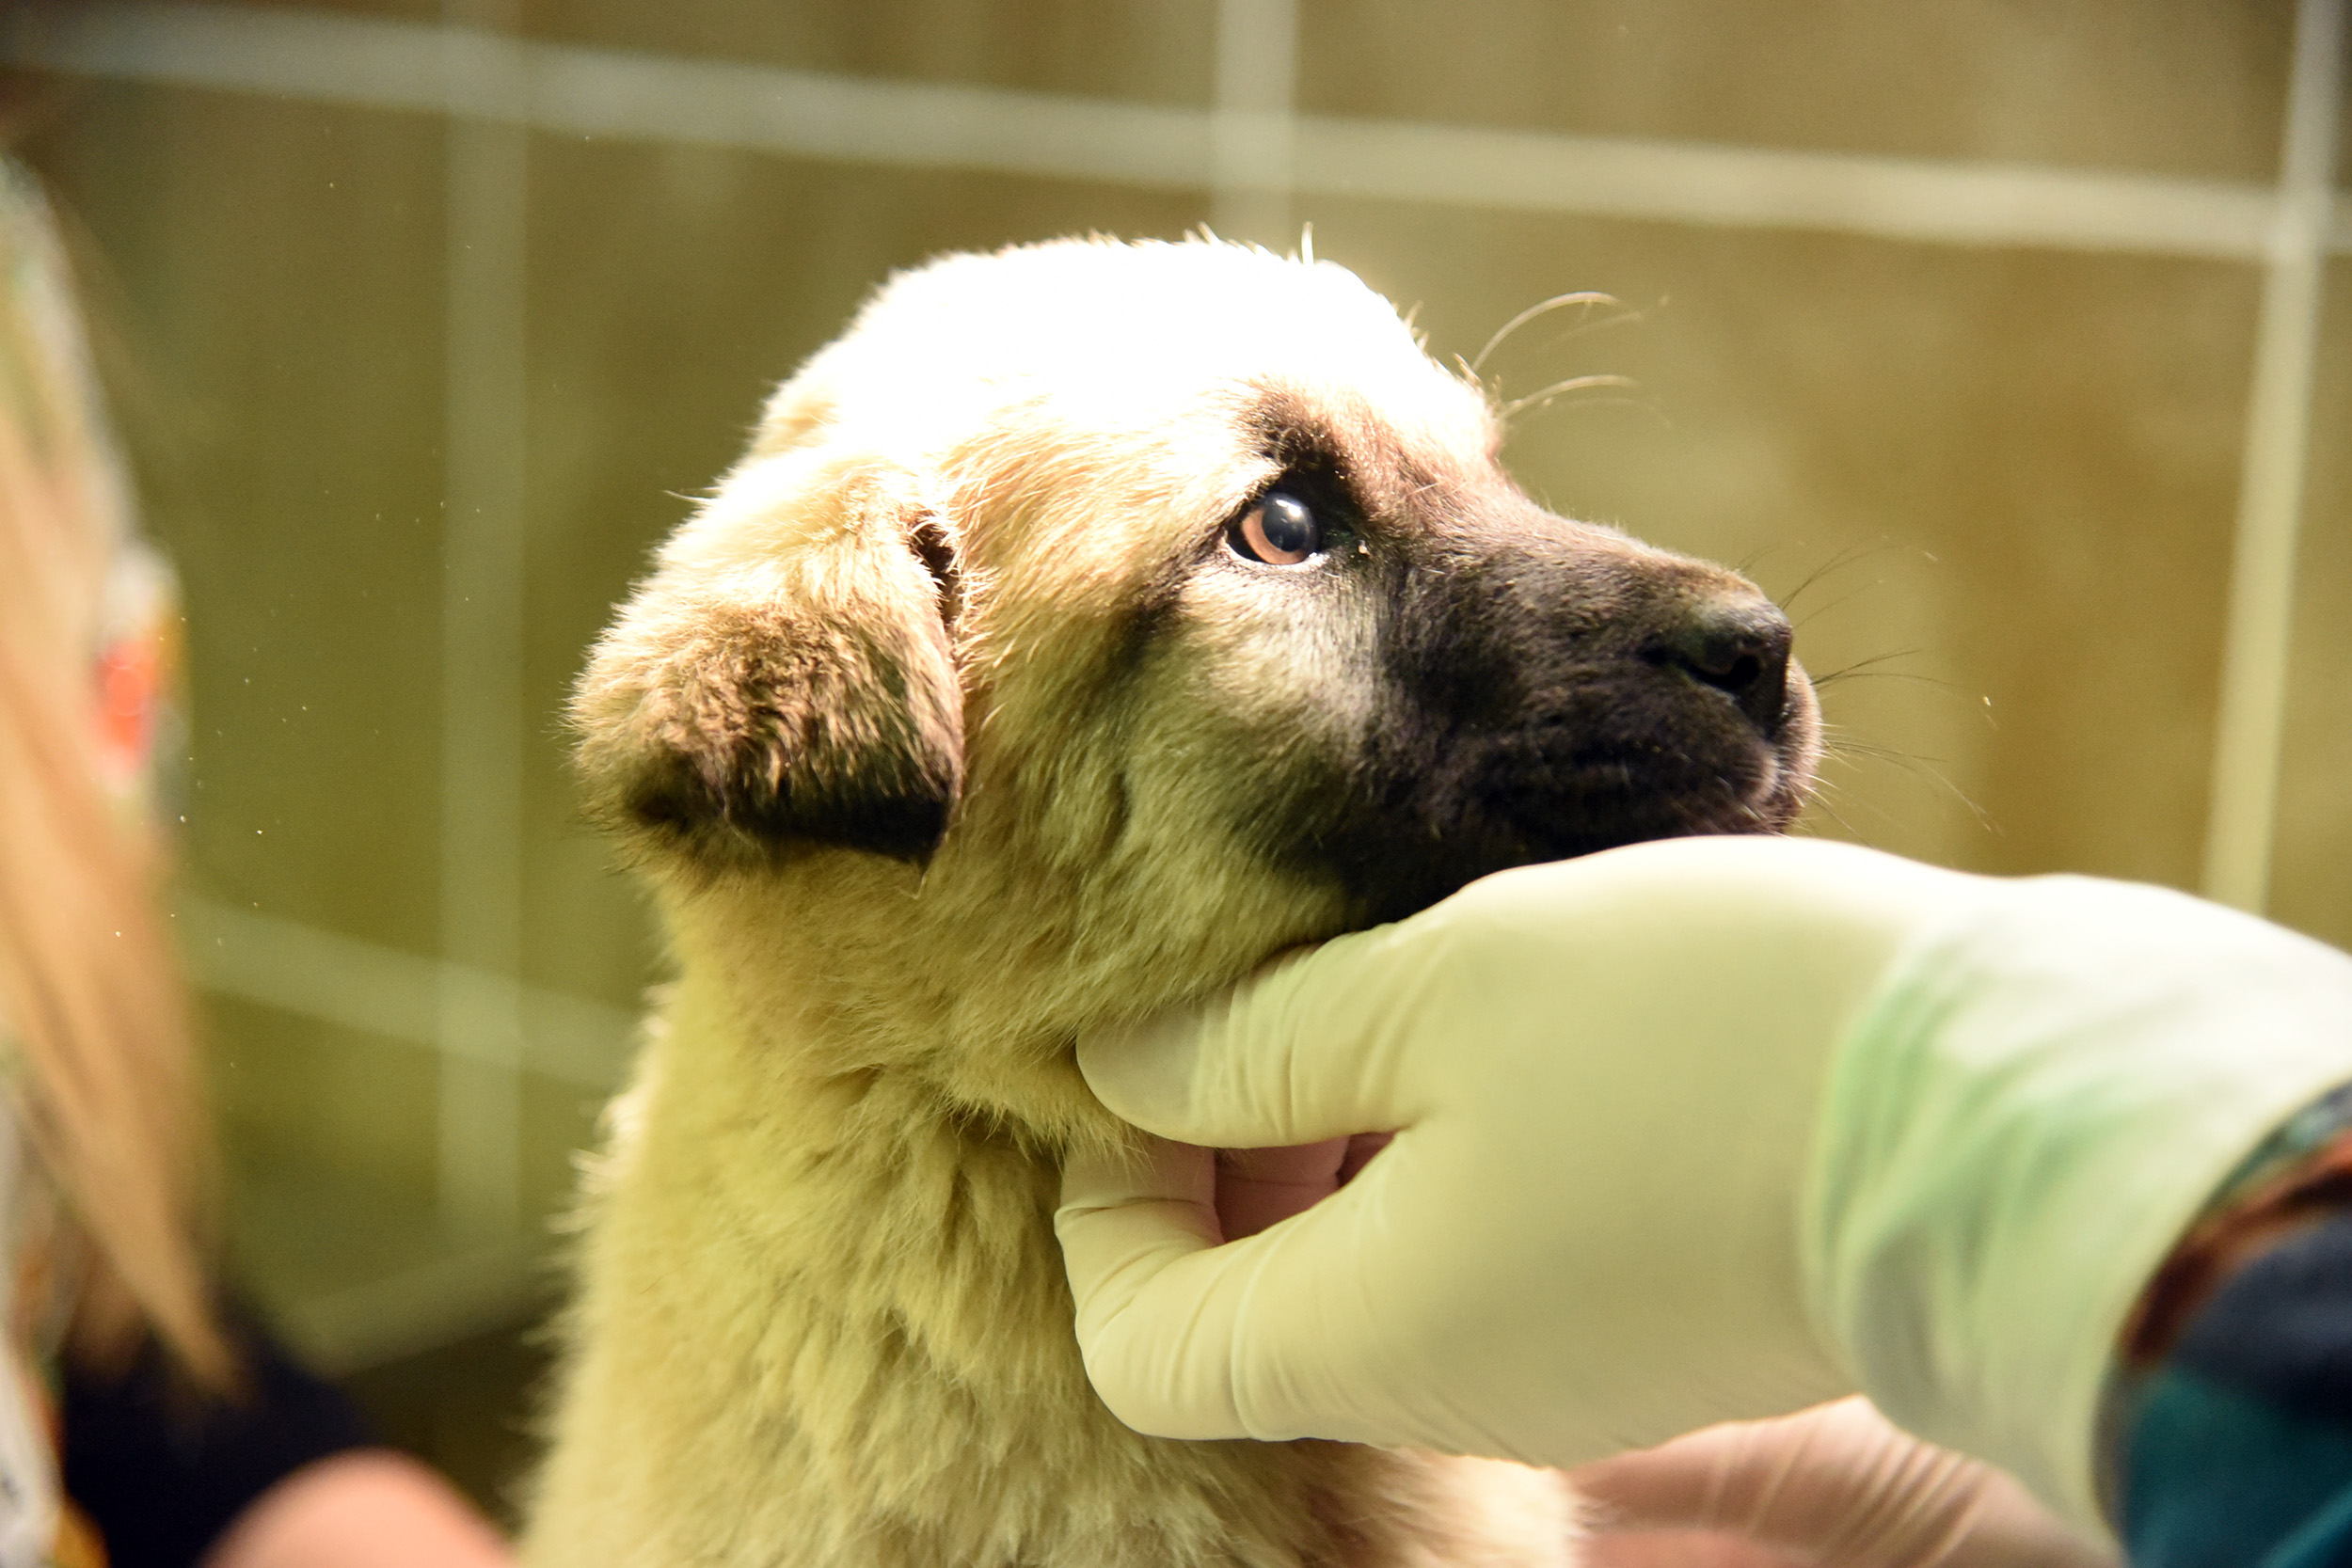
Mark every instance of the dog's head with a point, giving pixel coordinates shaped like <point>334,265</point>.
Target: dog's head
<point>1121,613</point>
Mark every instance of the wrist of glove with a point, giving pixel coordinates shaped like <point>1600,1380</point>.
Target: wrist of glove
<point>1693,1131</point>
<point>2044,1092</point>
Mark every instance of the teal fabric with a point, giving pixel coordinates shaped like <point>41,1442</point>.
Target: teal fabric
<point>2324,1542</point>
<point>2219,1478</point>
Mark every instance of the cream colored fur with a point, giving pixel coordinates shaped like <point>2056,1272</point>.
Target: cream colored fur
<point>822,1319</point>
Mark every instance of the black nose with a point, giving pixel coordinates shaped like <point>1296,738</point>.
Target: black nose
<point>1740,646</point>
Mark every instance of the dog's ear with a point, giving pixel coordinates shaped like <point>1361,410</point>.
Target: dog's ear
<point>786,675</point>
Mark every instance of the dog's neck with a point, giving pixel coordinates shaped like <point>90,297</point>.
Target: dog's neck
<point>864,965</point>
<point>824,1312</point>
<point>869,1271</point>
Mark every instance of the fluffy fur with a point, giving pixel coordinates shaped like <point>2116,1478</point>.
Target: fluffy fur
<point>961,719</point>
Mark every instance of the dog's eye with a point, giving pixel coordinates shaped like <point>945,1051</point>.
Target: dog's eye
<point>1280,530</point>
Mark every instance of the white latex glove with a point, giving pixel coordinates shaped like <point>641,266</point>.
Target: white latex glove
<point>1696,1130</point>
<point>1604,1073</point>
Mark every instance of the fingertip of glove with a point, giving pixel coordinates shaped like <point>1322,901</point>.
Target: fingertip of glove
<point>1095,1178</point>
<point>1142,1070</point>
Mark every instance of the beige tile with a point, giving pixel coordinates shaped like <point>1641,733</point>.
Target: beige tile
<point>2182,87</point>
<point>269,274</point>
<point>1158,53</point>
<point>329,1150</point>
<point>558,1121</point>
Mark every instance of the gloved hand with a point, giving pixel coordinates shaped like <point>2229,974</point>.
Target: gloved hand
<point>1834,1486</point>
<point>1603,1076</point>
<point>1693,1131</point>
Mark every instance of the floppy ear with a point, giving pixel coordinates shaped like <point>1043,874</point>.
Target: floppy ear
<point>784,676</point>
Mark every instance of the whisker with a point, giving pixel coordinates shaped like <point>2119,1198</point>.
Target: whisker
<point>1851,555</point>
<point>1861,664</point>
<point>1813,614</point>
<point>1586,298</point>
<point>1918,766</point>
<point>1825,785</point>
<point>1820,681</point>
<point>1852,748</point>
<point>1647,405</point>
<point>1836,816</point>
<point>1560,389</point>
<point>1819,795</point>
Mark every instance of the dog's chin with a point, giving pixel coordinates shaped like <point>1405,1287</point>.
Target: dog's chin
<point>1530,806</point>
<point>1745,786</point>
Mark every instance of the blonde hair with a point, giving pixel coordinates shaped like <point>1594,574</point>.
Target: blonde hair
<point>91,992</point>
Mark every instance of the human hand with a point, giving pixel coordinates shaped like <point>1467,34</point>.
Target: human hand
<point>1832,1485</point>
<point>1583,1234</point>
<point>1664,1113</point>
<point>1836,1485</point>
<point>365,1508</point>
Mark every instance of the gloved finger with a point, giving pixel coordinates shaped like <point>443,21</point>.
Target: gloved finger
<point>1309,1048</point>
<point>1123,1221</point>
<point>1258,1187</point>
<point>1123,1209</point>
<point>1176,1330</point>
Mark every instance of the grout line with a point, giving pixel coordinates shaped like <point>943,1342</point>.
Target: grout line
<point>393,995</point>
<point>560,88</point>
<point>380,991</point>
<point>484,410</point>
<point>1931,200</point>
<point>2249,726</point>
<point>449,1298</point>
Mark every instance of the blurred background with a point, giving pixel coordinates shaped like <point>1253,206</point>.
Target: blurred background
<point>1995,336</point>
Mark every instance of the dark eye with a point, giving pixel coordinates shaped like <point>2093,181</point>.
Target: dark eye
<point>1280,530</point>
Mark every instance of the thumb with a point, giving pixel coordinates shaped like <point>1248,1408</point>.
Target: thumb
<point>1184,1338</point>
<point>1126,1218</point>
<point>1311,1048</point>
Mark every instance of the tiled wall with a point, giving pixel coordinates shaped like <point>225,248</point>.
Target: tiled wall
<point>1999,480</point>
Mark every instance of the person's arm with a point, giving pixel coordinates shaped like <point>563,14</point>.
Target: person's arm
<point>1698,1131</point>
<point>2227,1430</point>
<point>281,1472</point>
<point>365,1508</point>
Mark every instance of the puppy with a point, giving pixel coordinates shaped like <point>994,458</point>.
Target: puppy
<point>1087,624</point>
